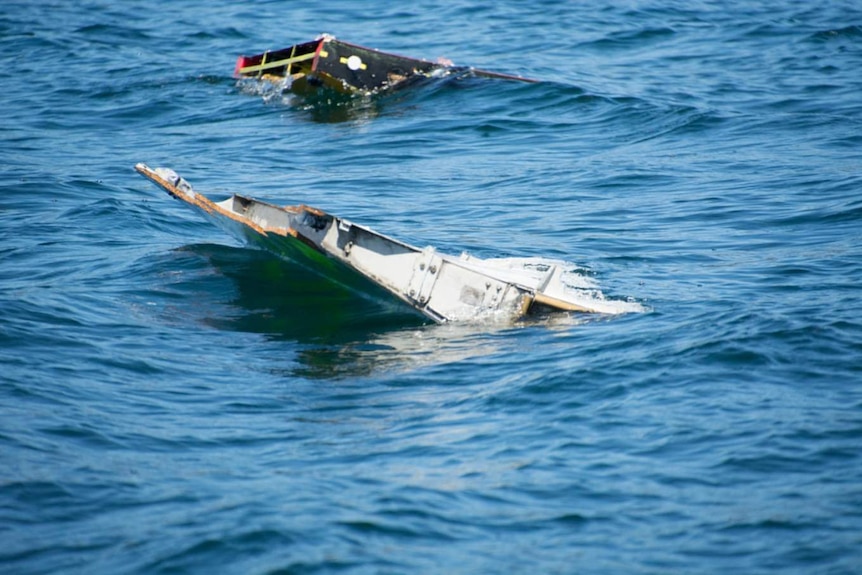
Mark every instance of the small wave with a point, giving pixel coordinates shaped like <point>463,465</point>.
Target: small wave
<point>629,38</point>
<point>848,32</point>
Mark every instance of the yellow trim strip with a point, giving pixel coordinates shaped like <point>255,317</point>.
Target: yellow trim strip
<point>287,61</point>
<point>292,52</point>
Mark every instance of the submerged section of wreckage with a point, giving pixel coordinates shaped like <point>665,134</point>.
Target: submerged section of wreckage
<point>344,67</point>
<point>441,287</point>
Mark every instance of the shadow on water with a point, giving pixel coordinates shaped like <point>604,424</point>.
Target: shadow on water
<point>286,301</point>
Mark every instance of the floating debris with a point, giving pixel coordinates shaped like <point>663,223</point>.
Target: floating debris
<point>344,67</point>
<point>441,287</point>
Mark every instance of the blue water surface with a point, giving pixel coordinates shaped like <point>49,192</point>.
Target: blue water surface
<point>174,402</point>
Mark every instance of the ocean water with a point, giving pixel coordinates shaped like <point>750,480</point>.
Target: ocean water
<point>174,402</point>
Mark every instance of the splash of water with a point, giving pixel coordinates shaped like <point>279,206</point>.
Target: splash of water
<point>578,284</point>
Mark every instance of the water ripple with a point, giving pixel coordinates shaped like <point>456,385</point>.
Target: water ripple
<point>172,402</point>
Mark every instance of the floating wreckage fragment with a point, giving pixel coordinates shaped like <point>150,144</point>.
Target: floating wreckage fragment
<point>344,67</point>
<point>441,287</point>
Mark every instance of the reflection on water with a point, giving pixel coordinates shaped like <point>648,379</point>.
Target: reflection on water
<point>403,349</point>
<point>338,332</point>
<point>396,350</point>
<point>325,106</point>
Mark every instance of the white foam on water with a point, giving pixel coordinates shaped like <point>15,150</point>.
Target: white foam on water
<point>579,286</point>
<point>271,90</point>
